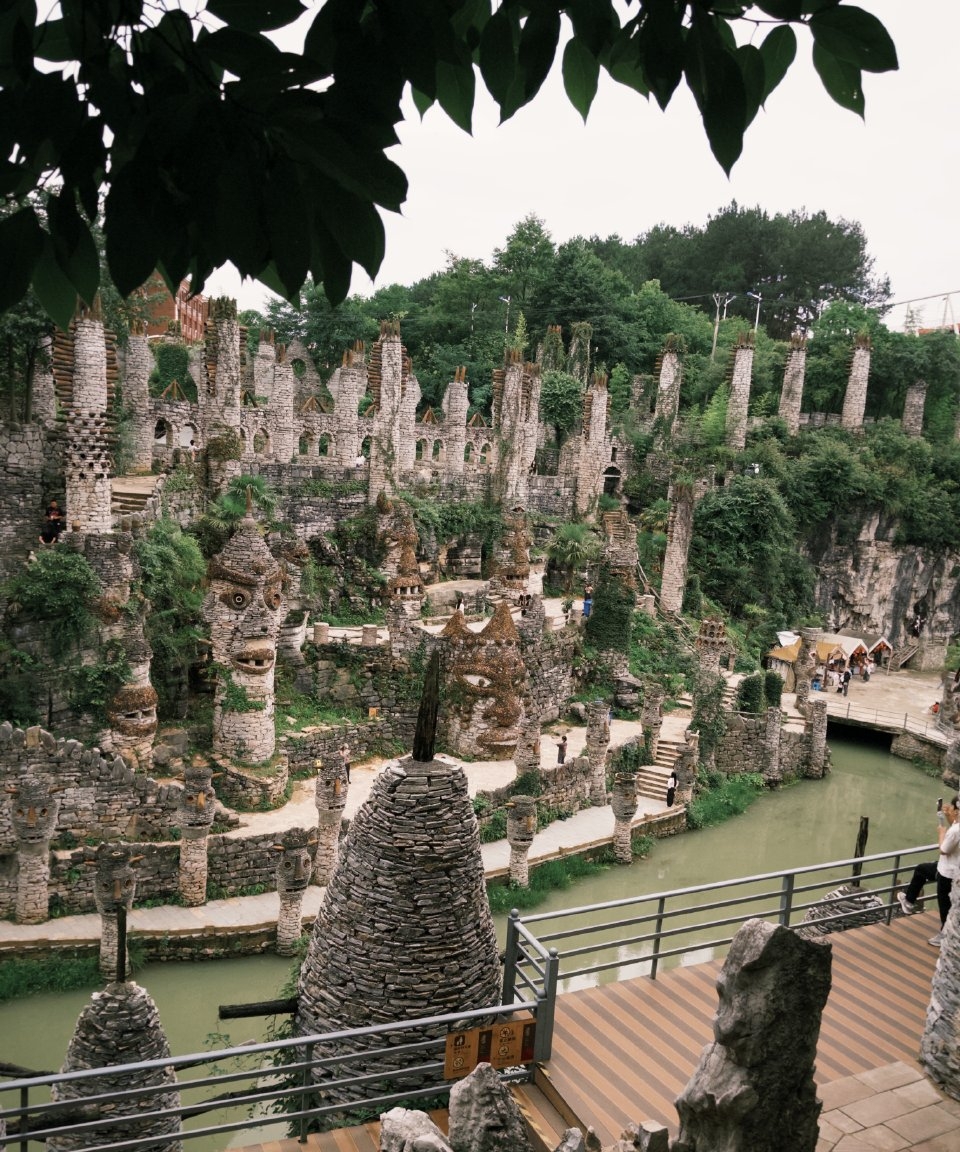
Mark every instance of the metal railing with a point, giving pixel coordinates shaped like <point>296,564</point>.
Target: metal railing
<point>843,710</point>
<point>286,1083</point>
<point>638,935</point>
<point>294,1081</point>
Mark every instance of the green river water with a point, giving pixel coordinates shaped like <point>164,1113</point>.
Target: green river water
<point>807,823</point>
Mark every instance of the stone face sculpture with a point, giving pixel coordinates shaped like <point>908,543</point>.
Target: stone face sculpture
<point>121,1025</point>
<point>404,930</point>
<point>132,714</point>
<point>34,808</point>
<point>624,804</point>
<point>194,816</point>
<point>513,557</point>
<point>114,887</point>
<point>753,1090</point>
<point>521,829</point>
<point>331,797</point>
<point>486,685</point>
<point>596,744</point>
<point>294,866</point>
<point>244,608</point>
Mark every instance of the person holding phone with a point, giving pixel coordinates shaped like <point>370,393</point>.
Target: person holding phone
<point>944,870</point>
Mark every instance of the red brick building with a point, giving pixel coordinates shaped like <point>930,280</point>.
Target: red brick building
<point>189,311</point>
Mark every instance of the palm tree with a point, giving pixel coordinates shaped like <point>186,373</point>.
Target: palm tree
<point>572,548</point>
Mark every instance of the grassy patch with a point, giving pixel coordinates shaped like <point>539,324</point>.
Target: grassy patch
<point>730,797</point>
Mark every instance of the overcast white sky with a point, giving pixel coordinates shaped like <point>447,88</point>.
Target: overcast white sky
<point>632,166</point>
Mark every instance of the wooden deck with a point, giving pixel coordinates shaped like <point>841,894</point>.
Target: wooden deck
<point>624,1051</point>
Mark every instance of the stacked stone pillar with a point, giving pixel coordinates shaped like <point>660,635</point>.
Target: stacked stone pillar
<point>773,722</point>
<point>913,405</point>
<point>805,666</point>
<point>87,452</point>
<point>114,889</point>
<point>456,404</point>
<point>527,754</point>
<point>283,439</point>
<point>679,534</point>
<point>668,392</point>
<point>597,742</point>
<point>816,725</point>
<point>136,396</point>
<point>43,392</point>
<point>351,387</point>
<point>708,705</point>
<point>739,401</point>
<point>594,445</point>
<point>195,814</point>
<point>34,807</point>
<point>624,804</point>
<point>855,397</point>
<point>331,800</point>
<point>294,865</point>
<point>521,829</point>
<point>793,377</point>
<point>651,716</point>
<point>940,1043</point>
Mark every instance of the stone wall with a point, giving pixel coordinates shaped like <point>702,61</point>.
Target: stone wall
<point>25,491</point>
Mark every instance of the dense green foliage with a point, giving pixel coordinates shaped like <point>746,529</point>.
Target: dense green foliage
<point>720,797</point>
<point>173,365</point>
<point>172,569</point>
<point>58,589</point>
<point>608,625</point>
<point>572,548</point>
<point>561,402</point>
<point>54,973</point>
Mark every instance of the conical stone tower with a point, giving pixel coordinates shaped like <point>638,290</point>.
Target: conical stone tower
<point>405,929</point>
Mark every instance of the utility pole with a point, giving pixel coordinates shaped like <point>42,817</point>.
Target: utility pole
<point>756,296</point>
<point>506,326</point>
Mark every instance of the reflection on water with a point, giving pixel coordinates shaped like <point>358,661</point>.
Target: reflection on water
<point>809,822</point>
<point>806,823</point>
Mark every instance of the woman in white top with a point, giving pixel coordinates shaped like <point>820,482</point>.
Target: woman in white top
<point>948,863</point>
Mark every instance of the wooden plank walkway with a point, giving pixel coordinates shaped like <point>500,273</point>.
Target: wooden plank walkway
<point>624,1051</point>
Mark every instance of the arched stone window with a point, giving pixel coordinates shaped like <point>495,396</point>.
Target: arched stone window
<point>366,446</point>
<point>299,367</point>
<point>467,453</point>
<point>323,444</point>
<point>421,449</point>
<point>303,446</point>
<point>438,449</point>
<point>484,453</point>
<point>187,437</point>
<point>260,443</point>
<point>163,434</point>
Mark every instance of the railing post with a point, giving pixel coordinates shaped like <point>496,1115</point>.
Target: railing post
<point>511,952</point>
<point>786,899</point>
<point>661,903</point>
<point>546,1009</point>
<point>24,1119</point>
<point>305,1079</point>
<point>895,884</point>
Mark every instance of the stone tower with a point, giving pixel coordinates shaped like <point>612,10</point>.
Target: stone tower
<point>283,440</point>
<point>913,406</point>
<point>793,377</point>
<point>114,889</point>
<point>195,813</point>
<point>855,397</point>
<point>83,360</point>
<point>739,401</point>
<point>679,535</point>
<point>330,796</point>
<point>513,554</point>
<point>405,929</point>
<point>395,393</point>
<point>594,445</point>
<point>516,417</point>
<point>486,686</point>
<point>351,388</point>
<point>669,378</point>
<point>244,609</point>
<point>136,396</point>
<point>33,813</point>
<point>456,404</point>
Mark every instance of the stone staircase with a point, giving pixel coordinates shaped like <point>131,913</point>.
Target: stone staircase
<point>901,655</point>
<point>652,778</point>
<point>129,494</point>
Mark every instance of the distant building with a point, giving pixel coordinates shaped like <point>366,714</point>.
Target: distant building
<point>190,312</point>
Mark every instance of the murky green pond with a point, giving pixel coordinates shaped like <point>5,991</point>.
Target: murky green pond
<point>807,823</point>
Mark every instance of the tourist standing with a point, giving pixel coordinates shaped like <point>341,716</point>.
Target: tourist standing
<point>671,787</point>
<point>944,871</point>
<point>562,750</point>
<point>847,677</point>
<point>345,757</point>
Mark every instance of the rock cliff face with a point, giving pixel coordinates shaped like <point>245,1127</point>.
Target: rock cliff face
<point>872,585</point>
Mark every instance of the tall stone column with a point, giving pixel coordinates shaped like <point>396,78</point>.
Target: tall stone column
<point>283,437</point>
<point>136,396</point>
<point>294,866</point>
<point>855,397</point>
<point>132,712</point>
<point>456,404</point>
<point>948,706</point>
<point>43,392</point>
<point>793,377</point>
<point>87,453</point>
<point>114,888</point>
<point>597,742</point>
<point>668,392</point>
<point>686,766</point>
<point>351,388</point>
<point>817,726</point>
<point>194,816</point>
<point>651,716</point>
<point>34,809</point>
<point>739,401</point>
<point>331,799</point>
<point>940,1043</point>
<point>679,535</point>
<point>771,745</point>
<point>527,754</point>
<point>594,445</point>
<point>805,666</point>
<point>624,804</point>
<point>913,405</point>
<point>521,829</point>
<point>244,609</point>
<point>708,706</point>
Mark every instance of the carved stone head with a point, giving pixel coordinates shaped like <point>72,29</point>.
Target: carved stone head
<point>116,881</point>
<point>34,807</point>
<point>295,863</point>
<point>198,799</point>
<point>133,711</point>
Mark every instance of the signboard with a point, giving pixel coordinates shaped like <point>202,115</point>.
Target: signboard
<point>502,1045</point>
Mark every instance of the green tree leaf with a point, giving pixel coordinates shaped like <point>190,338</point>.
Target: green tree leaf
<point>781,9</point>
<point>753,74</point>
<point>717,84</point>
<point>855,37</point>
<point>21,242</point>
<point>779,48</point>
<point>660,40</point>
<point>256,15</point>
<point>581,72</point>
<point>456,84</point>
<point>53,287</point>
<point>498,49</point>
<point>73,245</point>
<point>841,79</point>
